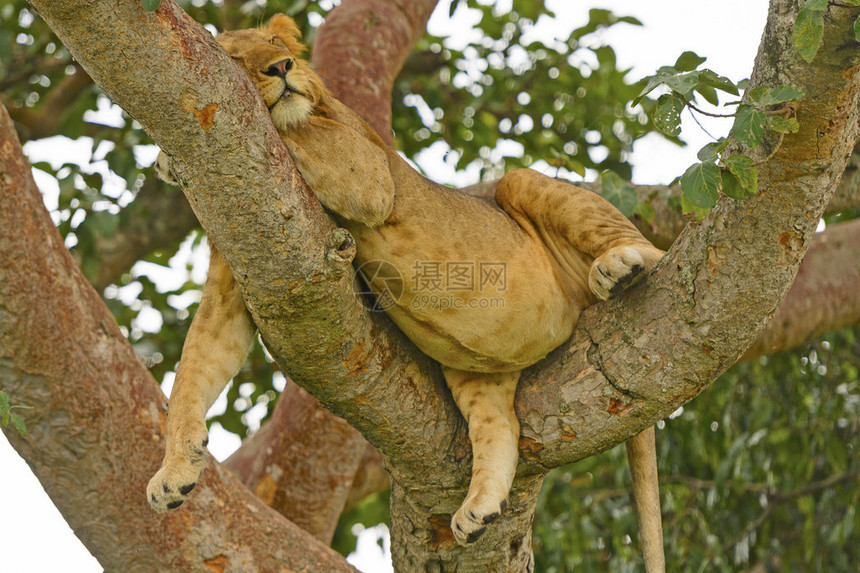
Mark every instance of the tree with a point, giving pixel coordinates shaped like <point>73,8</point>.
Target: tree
<point>629,364</point>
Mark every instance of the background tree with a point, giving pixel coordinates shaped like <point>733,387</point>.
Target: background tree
<point>317,463</point>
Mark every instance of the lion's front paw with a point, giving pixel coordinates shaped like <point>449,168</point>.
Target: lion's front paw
<point>614,271</point>
<point>177,477</point>
<point>473,517</point>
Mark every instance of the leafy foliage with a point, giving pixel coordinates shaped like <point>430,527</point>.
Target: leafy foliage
<point>761,109</point>
<point>7,416</point>
<point>761,470</point>
<point>473,98</point>
<point>808,34</point>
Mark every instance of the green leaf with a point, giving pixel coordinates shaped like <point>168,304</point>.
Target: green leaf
<point>4,405</point>
<point>817,5</point>
<point>690,208</point>
<point>667,115</point>
<point>683,83</point>
<point>18,424</point>
<point>689,61</point>
<point>808,33</point>
<point>717,81</point>
<point>653,82</point>
<point>712,150</point>
<point>857,28</point>
<point>150,5</point>
<point>749,125</point>
<point>709,93</point>
<point>731,186</point>
<point>779,95</point>
<point>745,170</point>
<point>701,184</point>
<point>782,125</point>
<point>755,95</point>
<point>618,192</point>
<point>645,211</point>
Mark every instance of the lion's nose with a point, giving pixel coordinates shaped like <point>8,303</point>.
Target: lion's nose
<point>279,68</point>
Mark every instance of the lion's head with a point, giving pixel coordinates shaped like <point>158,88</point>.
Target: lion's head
<point>290,88</point>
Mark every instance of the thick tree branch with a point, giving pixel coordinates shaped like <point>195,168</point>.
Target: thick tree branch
<point>847,194</point>
<point>306,458</point>
<point>158,217</point>
<point>45,120</point>
<point>302,462</point>
<point>640,357</point>
<point>824,296</point>
<point>97,417</point>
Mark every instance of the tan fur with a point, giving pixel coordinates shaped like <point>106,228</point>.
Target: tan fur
<point>558,247</point>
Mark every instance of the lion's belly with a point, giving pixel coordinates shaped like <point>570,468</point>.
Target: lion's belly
<point>465,339</point>
<point>493,311</point>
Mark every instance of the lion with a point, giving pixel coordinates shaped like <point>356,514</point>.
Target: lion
<point>542,254</point>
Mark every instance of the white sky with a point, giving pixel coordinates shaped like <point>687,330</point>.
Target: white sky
<point>30,524</point>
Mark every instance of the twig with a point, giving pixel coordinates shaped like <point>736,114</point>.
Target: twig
<point>710,114</point>
<point>772,153</point>
<point>702,127</point>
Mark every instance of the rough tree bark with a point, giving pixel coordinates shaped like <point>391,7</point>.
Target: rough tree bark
<point>95,431</point>
<point>629,363</point>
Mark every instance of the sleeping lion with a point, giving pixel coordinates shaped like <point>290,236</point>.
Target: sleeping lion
<point>486,290</point>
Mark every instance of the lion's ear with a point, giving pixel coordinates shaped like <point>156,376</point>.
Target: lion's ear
<point>285,28</point>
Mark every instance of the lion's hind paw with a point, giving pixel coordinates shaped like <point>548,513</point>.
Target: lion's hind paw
<point>614,271</point>
<point>471,520</point>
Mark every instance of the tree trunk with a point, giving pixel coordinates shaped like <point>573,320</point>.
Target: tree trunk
<point>421,524</point>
